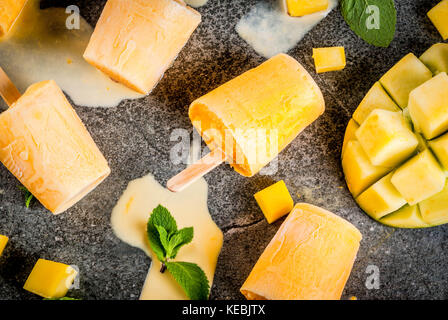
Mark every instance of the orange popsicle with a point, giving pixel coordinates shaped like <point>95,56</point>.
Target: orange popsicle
<point>46,146</point>
<point>310,258</point>
<point>9,11</point>
<point>136,41</point>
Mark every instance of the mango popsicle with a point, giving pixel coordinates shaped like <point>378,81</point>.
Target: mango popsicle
<point>9,11</point>
<point>253,117</point>
<point>136,41</point>
<point>310,258</point>
<point>46,146</point>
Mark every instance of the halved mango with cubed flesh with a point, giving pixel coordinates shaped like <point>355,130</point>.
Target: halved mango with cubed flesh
<point>329,59</point>
<point>386,138</point>
<point>299,8</point>
<point>376,98</point>
<point>401,181</point>
<point>436,58</point>
<point>439,17</point>
<point>434,210</point>
<point>428,106</point>
<point>404,77</point>
<point>381,198</point>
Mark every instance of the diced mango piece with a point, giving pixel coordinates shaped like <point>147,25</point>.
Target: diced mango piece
<point>440,148</point>
<point>50,279</point>
<point>360,173</point>
<point>435,209</point>
<point>436,58</point>
<point>406,217</point>
<point>298,8</point>
<point>381,198</point>
<point>309,258</point>
<point>404,77</point>
<point>439,17</point>
<point>329,59</point>
<point>3,241</point>
<point>9,11</point>
<point>352,126</point>
<point>419,178</point>
<point>376,98</point>
<point>428,106</point>
<point>136,41</point>
<point>386,138</point>
<point>275,201</point>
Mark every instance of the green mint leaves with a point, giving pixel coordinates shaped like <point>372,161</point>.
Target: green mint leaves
<point>165,241</point>
<point>28,196</point>
<point>372,20</point>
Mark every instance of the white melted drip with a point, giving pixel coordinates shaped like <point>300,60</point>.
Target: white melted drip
<point>40,47</point>
<point>270,30</point>
<point>189,208</point>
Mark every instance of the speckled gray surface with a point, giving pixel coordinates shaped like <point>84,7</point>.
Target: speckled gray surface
<point>135,138</point>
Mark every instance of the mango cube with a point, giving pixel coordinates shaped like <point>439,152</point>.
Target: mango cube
<point>329,59</point>
<point>428,106</point>
<point>350,132</point>
<point>275,201</point>
<point>381,198</point>
<point>406,217</point>
<point>435,209</point>
<point>3,242</point>
<point>436,58</point>
<point>440,148</point>
<point>386,138</point>
<point>376,98</point>
<point>360,173</point>
<point>298,8</point>
<point>439,17</point>
<point>419,178</point>
<point>50,279</point>
<point>405,76</point>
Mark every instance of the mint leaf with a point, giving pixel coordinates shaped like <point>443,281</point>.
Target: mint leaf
<point>191,278</point>
<point>160,216</point>
<point>372,20</point>
<point>178,240</point>
<point>164,238</point>
<point>28,196</point>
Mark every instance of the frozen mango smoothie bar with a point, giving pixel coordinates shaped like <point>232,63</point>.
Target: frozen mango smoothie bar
<point>136,41</point>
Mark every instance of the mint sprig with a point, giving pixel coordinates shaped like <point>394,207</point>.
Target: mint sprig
<point>28,196</point>
<point>372,20</point>
<point>165,241</point>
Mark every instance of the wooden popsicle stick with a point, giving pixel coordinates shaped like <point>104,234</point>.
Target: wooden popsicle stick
<point>8,90</point>
<point>196,170</point>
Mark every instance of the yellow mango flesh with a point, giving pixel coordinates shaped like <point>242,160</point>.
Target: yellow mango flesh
<point>405,76</point>
<point>9,11</point>
<point>386,138</point>
<point>309,258</point>
<point>329,59</point>
<point>420,176</point>
<point>50,279</point>
<point>275,201</point>
<point>381,198</point>
<point>256,115</point>
<point>136,41</point>
<point>298,8</point>
<point>3,241</point>
<point>428,106</point>
<point>46,146</point>
<point>376,98</point>
<point>439,17</point>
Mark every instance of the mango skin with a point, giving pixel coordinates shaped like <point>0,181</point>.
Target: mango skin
<point>421,177</point>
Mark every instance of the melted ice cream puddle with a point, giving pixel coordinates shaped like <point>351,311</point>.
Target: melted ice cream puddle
<point>189,208</point>
<point>196,3</point>
<point>270,30</point>
<point>40,47</point>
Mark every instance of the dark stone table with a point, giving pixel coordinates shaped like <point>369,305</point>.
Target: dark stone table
<point>135,138</point>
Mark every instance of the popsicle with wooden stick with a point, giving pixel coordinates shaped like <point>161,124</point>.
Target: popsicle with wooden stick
<point>46,146</point>
<point>250,119</point>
